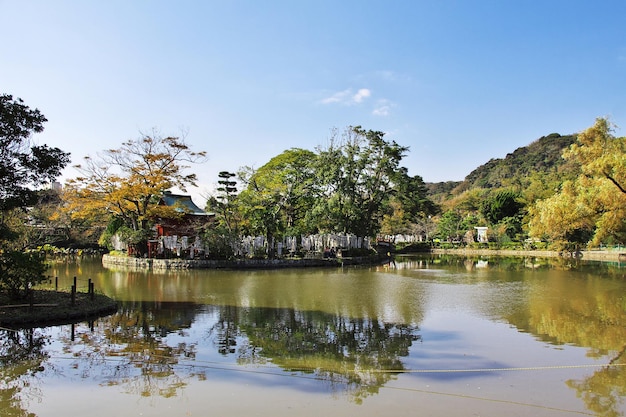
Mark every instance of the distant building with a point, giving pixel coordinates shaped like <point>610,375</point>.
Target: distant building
<point>481,234</point>
<point>56,186</point>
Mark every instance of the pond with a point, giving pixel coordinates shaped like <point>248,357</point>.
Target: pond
<point>429,335</point>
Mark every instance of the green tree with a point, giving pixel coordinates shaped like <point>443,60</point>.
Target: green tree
<point>227,192</point>
<point>223,235</point>
<point>449,226</point>
<point>23,165</point>
<point>279,197</point>
<point>500,205</point>
<point>23,168</point>
<point>359,173</point>
<point>409,206</point>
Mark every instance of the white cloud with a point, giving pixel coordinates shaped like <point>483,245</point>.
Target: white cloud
<point>361,95</point>
<point>347,97</point>
<point>381,111</point>
<point>339,97</point>
<point>383,108</point>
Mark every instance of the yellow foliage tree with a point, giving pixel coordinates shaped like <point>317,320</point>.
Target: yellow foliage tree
<point>126,183</point>
<point>594,204</point>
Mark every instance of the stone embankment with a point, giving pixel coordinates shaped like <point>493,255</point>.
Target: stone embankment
<point>177,264</point>
<point>591,255</point>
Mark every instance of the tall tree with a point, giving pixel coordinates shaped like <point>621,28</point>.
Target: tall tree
<point>601,154</point>
<point>358,172</point>
<point>223,236</point>
<point>409,206</point>
<point>127,182</point>
<point>591,207</point>
<point>279,196</point>
<point>227,192</point>
<point>23,167</point>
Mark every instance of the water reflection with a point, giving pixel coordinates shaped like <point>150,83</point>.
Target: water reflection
<point>22,355</point>
<point>352,332</point>
<point>605,390</point>
<point>146,349</point>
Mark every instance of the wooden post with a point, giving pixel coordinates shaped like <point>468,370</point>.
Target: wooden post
<point>31,295</point>
<point>73,294</point>
<point>91,290</point>
<point>56,283</point>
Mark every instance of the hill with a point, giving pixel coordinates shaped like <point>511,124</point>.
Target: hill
<point>541,158</point>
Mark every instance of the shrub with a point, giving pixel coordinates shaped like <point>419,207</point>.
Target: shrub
<point>20,271</point>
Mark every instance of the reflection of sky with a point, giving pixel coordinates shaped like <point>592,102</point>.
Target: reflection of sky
<point>468,358</point>
<point>463,342</point>
<point>450,341</point>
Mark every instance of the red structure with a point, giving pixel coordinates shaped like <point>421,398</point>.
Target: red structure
<point>174,235</point>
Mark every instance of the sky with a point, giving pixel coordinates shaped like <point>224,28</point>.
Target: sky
<point>458,82</point>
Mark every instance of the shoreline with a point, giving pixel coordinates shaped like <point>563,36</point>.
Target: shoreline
<point>48,308</point>
<point>592,255</point>
<point>155,264</point>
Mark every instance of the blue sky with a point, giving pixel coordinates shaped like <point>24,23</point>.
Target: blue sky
<point>459,82</point>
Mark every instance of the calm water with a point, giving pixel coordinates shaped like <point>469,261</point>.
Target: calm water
<point>427,336</point>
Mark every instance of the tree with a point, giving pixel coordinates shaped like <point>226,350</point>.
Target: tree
<point>127,182</point>
<point>227,192</point>
<point>359,173</point>
<point>593,206</point>
<point>23,168</point>
<point>222,237</point>
<point>23,165</point>
<point>500,205</point>
<point>449,226</point>
<point>279,196</point>
<point>409,206</point>
<point>600,154</point>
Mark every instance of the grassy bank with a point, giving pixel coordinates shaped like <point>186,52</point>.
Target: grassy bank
<point>53,307</point>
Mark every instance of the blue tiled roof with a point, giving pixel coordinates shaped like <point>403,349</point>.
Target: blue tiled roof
<point>185,201</point>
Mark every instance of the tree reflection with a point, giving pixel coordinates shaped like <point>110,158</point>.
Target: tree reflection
<point>21,357</point>
<point>354,355</point>
<point>132,350</point>
<point>565,301</point>
<point>587,310</point>
<point>128,348</point>
<point>605,390</point>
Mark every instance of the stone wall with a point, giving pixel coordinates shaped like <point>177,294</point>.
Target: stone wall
<point>177,264</point>
<point>163,264</point>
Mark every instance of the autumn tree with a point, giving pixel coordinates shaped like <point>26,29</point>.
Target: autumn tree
<point>126,183</point>
<point>24,166</point>
<point>593,206</point>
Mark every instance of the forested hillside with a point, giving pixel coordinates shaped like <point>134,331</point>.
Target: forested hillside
<point>541,159</point>
<point>563,192</point>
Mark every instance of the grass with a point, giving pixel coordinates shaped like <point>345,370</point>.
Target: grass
<point>53,307</point>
